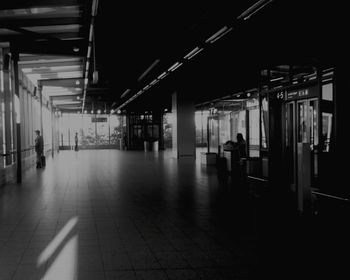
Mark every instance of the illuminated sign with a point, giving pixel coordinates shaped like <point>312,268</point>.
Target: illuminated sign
<point>301,93</point>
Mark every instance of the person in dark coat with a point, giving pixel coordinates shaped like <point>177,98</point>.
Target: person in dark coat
<point>76,141</point>
<point>242,146</point>
<point>39,148</point>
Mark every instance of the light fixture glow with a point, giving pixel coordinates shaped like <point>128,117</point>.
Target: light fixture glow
<point>125,93</point>
<point>174,66</point>
<point>148,69</point>
<point>193,53</point>
<point>211,38</point>
<point>254,9</point>
<point>161,76</point>
<point>222,32</point>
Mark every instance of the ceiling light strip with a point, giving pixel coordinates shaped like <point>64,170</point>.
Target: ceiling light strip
<point>191,52</point>
<point>220,36</point>
<point>254,9</point>
<point>211,38</point>
<point>194,54</point>
<point>125,93</point>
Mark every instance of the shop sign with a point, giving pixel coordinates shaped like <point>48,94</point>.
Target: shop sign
<point>302,93</point>
<point>98,120</point>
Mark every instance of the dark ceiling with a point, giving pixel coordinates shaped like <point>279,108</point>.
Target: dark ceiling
<point>135,42</point>
<point>132,37</point>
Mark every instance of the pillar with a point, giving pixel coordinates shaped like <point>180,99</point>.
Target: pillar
<point>184,131</point>
<point>40,91</point>
<point>7,107</point>
<point>52,128</point>
<point>17,116</point>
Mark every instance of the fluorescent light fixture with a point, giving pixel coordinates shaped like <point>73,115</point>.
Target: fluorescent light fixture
<point>175,66</point>
<point>222,32</point>
<point>216,35</point>
<point>139,92</point>
<point>146,87</point>
<point>254,9</point>
<point>277,79</point>
<point>193,53</point>
<point>125,93</point>
<point>161,76</point>
<point>154,82</point>
<point>148,69</point>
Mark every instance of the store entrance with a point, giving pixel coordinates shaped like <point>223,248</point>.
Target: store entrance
<point>301,141</point>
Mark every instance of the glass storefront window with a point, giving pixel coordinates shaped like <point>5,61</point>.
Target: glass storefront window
<point>264,123</point>
<point>326,130</point>
<point>327,92</point>
<point>92,129</point>
<point>167,130</point>
<point>254,132</point>
<point>201,121</point>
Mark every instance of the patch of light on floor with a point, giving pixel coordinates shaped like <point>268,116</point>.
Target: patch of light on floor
<point>51,249</point>
<point>65,264</point>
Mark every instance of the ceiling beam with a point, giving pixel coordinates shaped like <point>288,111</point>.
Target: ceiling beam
<point>10,5</point>
<point>67,82</point>
<point>49,64</point>
<point>58,47</point>
<point>12,23</point>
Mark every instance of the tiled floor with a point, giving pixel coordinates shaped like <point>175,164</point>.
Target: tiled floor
<point>108,214</point>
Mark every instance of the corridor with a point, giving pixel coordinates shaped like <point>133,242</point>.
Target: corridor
<point>107,214</point>
<point>110,214</point>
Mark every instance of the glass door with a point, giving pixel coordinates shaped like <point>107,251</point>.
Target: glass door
<point>290,144</point>
<point>301,127</point>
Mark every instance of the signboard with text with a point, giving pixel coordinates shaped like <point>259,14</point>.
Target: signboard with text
<point>98,119</point>
<point>300,93</point>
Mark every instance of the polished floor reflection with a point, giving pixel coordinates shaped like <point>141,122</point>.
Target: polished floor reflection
<point>107,214</point>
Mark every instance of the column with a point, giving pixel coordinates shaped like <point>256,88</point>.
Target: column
<point>40,91</point>
<point>184,132</point>
<point>52,128</point>
<point>8,109</point>
<point>17,116</point>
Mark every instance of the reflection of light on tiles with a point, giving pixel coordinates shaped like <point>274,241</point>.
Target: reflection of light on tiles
<point>65,264</point>
<point>57,241</point>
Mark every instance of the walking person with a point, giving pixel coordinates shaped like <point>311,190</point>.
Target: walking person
<point>39,148</point>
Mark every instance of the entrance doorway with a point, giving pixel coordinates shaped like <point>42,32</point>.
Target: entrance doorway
<point>301,139</point>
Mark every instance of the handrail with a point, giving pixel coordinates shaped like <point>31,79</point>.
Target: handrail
<point>15,151</point>
<point>330,196</point>
<point>8,153</point>
<point>257,178</point>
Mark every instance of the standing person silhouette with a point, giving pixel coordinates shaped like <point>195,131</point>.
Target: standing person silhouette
<point>242,146</point>
<point>39,148</point>
<point>76,141</point>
